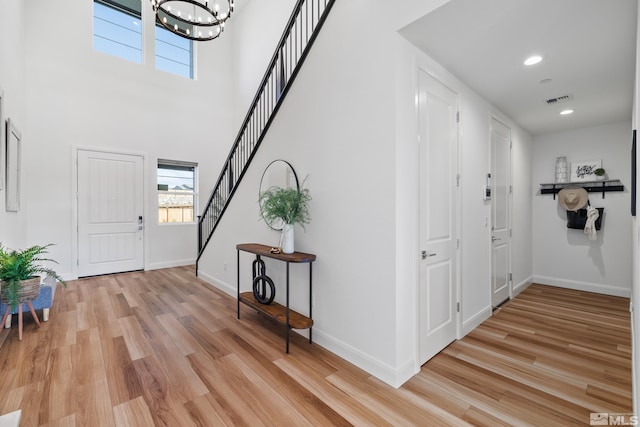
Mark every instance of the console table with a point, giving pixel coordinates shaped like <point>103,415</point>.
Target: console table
<point>282,314</point>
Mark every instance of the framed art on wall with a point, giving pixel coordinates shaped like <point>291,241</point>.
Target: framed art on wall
<point>13,167</point>
<point>584,171</point>
<point>2,149</point>
<point>634,172</point>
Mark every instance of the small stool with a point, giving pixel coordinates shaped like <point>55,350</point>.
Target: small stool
<point>30,289</point>
<point>33,313</point>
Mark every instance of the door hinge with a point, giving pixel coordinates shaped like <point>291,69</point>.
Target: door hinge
<point>458,180</point>
<point>511,277</point>
<point>77,262</point>
<point>457,243</point>
<point>457,116</point>
<point>511,189</point>
<point>510,233</point>
<point>458,307</point>
<point>510,144</point>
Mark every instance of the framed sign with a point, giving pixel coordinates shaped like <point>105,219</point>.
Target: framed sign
<point>584,171</point>
<point>13,167</point>
<point>2,137</point>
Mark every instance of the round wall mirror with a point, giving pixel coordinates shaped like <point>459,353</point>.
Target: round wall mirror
<point>280,174</point>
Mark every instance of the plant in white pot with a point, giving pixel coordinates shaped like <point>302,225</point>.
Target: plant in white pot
<point>288,205</point>
<point>600,174</point>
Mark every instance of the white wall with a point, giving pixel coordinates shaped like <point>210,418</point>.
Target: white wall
<point>347,150</point>
<point>475,233</point>
<point>80,97</point>
<point>13,231</point>
<point>565,257</point>
<point>254,34</point>
<point>348,124</point>
<point>522,206</point>
<point>635,288</point>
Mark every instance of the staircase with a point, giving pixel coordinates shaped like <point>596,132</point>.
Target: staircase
<point>301,31</point>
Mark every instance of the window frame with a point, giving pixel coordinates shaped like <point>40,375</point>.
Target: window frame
<point>129,12</point>
<point>177,165</point>
<point>192,54</point>
<point>111,37</point>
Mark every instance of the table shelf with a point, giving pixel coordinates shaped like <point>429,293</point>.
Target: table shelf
<point>277,311</point>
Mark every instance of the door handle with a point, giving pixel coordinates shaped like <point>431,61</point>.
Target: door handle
<point>494,238</point>
<point>425,254</point>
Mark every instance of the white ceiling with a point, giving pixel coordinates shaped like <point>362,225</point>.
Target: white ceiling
<point>588,48</point>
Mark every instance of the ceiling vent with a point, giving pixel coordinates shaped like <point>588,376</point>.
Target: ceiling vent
<point>559,99</point>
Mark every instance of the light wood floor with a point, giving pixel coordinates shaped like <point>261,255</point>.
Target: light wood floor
<point>162,348</point>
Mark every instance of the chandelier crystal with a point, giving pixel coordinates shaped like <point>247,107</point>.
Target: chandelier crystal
<point>198,20</point>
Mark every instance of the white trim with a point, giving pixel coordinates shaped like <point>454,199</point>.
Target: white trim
<point>170,264</point>
<point>419,66</point>
<point>219,284</point>
<point>634,359</point>
<point>583,286</point>
<point>494,115</point>
<point>74,200</point>
<point>475,320</point>
<point>382,371</point>
<point>415,212</point>
<point>522,286</point>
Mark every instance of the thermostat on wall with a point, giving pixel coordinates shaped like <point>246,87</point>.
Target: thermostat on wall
<point>486,189</point>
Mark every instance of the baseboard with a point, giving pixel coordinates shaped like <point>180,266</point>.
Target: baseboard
<point>522,286</point>
<point>382,371</point>
<point>475,321</point>
<point>583,286</point>
<point>219,284</point>
<point>170,264</point>
<point>635,356</point>
<point>394,377</point>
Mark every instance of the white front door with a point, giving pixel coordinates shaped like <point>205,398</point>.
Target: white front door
<point>110,213</point>
<point>438,146</point>
<point>500,212</point>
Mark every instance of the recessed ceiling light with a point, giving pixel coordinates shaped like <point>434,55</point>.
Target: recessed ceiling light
<point>532,60</point>
<point>566,112</point>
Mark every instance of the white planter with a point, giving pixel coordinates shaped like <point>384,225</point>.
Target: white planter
<point>287,239</point>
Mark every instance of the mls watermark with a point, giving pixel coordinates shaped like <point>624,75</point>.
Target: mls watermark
<point>613,419</point>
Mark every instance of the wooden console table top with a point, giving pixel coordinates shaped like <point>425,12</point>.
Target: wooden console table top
<point>264,250</point>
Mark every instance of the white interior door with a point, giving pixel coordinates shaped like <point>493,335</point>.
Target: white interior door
<point>438,133</point>
<point>500,212</point>
<point>110,213</point>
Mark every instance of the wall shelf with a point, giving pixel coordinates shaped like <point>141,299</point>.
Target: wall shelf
<point>603,186</point>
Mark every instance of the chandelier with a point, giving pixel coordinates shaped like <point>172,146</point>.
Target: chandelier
<point>198,20</point>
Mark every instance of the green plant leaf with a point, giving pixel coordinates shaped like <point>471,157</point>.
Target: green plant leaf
<point>16,266</point>
<point>287,204</point>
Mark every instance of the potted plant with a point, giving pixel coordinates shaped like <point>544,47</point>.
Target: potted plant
<point>289,205</point>
<point>19,271</point>
<point>600,174</point>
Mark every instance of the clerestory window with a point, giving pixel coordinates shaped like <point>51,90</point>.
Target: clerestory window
<point>117,31</point>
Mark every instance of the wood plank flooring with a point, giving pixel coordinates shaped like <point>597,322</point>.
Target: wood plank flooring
<point>163,348</point>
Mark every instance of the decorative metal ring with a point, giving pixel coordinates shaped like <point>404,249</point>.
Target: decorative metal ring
<point>260,289</point>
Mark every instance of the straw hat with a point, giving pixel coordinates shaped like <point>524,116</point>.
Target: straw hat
<point>572,199</point>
